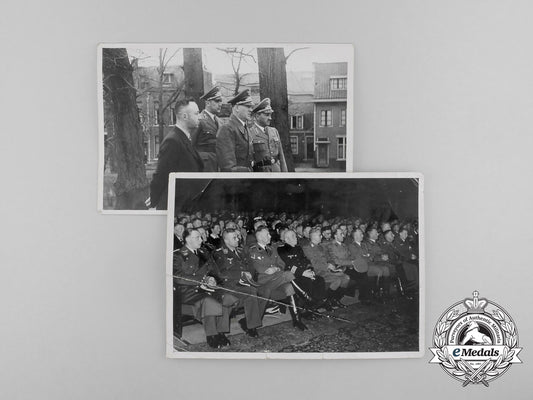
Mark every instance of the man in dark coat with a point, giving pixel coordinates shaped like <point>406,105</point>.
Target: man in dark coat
<point>204,140</point>
<point>312,285</point>
<point>176,154</point>
<point>234,149</point>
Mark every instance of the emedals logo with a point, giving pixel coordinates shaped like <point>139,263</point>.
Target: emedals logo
<point>476,341</point>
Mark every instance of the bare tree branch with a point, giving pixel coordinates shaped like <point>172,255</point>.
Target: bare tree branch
<point>294,51</point>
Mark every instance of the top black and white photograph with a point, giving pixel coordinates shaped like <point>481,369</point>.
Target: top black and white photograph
<point>226,107</point>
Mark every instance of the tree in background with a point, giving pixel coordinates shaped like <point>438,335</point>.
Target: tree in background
<point>131,185</point>
<point>273,84</point>
<point>165,103</point>
<point>237,57</point>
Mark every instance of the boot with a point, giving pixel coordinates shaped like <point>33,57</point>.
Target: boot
<point>296,318</point>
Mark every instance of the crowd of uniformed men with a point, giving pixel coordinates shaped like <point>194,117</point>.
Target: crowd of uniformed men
<point>201,142</point>
<point>306,264</point>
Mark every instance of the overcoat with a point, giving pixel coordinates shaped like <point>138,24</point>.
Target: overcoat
<point>176,154</point>
<point>233,147</point>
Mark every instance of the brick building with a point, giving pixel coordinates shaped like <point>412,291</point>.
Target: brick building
<point>330,100</point>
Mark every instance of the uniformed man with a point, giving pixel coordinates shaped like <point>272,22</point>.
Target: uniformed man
<point>336,280</point>
<point>233,145</point>
<point>378,262</point>
<point>179,229</point>
<point>339,255</point>
<point>360,265</point>
<point>274,281</point>
<point>408,259</point>
<point>326,235</point>
<point>266,142</point>
<point>313,286</point>
<point>204,139</point>
<point>193,286</point>
<point>233,270</point>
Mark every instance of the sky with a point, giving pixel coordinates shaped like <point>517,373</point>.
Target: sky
<point>218,62</point>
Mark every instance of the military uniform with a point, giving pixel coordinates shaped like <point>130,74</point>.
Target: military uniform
<point>276,285</point>
<point>267,149</point>
<point>360,265</point>
<point>213,309</point>
<point>204,140</point>
<point>296,262</point>
<point>339,254</point>
<point>376,265</point>
<point>409,264</point>
<point>231,265</point>
<point>233,146</point>
<point>317,256</point>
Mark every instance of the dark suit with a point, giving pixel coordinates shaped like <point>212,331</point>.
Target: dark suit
<point>176,154</point>
<point>267,146</point>
<point>234,151</point>
<point>204,140</point>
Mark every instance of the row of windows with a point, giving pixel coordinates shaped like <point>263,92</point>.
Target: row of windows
<point>341,146</point>
<point>338,83</point>
<point>326,118</point>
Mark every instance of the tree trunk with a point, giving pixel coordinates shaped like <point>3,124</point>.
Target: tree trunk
<point>131,186</point>
<point>273,84</point>
<point>194,75</point>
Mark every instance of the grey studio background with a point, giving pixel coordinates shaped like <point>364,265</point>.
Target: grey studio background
<point>444,88</point>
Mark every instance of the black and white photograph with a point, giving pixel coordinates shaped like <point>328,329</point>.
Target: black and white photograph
<point>295,265</point>
<point>226,107</point>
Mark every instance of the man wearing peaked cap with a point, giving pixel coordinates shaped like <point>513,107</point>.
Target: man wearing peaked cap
<point>204,139</point>
<point>266,142</point>
<point>234,151</point>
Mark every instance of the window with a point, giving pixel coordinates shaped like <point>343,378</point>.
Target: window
<point>341,148</point>
<point>156,114</point>
<point>325,118</point>
<point>167,78</point>
<point>337,83</point>
<point>343,118</point>
<point>172,116</point>
<point>294,144</point>
<point>297,122</point>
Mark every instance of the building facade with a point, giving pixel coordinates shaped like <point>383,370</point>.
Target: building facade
<point>330,101</point>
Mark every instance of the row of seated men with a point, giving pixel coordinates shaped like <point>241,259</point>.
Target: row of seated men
<point>217,273</point>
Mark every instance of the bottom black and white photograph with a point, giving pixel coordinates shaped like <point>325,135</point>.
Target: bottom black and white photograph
<point>295,266</point>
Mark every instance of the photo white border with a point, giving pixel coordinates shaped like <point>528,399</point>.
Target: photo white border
<point>172,353</point>
<point>350,114</point>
